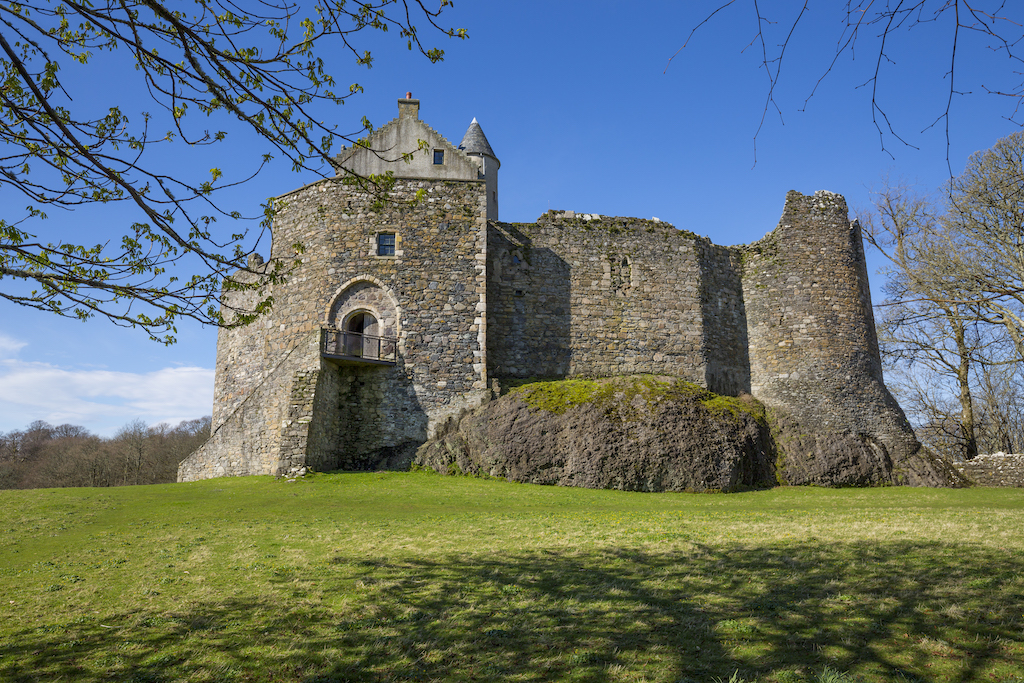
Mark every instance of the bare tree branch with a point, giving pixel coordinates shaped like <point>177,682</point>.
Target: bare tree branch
<point>990,19</point>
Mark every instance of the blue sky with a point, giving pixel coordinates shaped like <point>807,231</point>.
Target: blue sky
<point>583,115</point>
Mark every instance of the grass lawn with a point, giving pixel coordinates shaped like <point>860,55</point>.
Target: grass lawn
<point>413,576</point>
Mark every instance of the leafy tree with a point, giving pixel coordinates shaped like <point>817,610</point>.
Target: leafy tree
<point>259,69</point>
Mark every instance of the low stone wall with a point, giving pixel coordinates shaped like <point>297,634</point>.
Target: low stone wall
<point>997,469</point>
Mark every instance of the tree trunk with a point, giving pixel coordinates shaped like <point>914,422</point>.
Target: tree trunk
<point>970,439</point>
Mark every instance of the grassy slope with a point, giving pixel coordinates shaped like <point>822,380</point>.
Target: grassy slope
<point>420,577</point>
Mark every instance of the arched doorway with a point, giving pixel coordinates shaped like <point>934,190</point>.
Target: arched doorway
<point>362,322</point>
<point>361,335</point>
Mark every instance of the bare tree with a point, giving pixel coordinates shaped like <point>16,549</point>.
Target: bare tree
<point>168,446</point>
<point>964,27</point>
<point>78,459</point>
<point>984,234</point>
<point>44,456</point>
<point>954,313</point>
<point>1001,409</point>
<point>929,325</point>
<point>133,444</point>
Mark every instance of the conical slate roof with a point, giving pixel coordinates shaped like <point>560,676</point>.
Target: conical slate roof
<point>475,142</point>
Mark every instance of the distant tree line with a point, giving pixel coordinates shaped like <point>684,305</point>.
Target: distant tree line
<point>47,456</point>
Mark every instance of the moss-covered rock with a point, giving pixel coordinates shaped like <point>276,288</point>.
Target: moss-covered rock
<point>639,433</point>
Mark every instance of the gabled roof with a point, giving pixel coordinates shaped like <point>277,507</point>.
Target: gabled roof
<point>383,151</point>
<point>475,142</point>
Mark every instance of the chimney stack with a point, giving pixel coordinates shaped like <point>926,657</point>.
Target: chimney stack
<point>408,108</point>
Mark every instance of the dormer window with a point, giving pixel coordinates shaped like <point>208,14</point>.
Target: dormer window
<point>438,157</point>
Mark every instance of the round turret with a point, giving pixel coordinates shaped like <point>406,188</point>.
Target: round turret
<point>474,143</point>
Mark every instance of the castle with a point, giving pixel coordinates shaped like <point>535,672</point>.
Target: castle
<point>404,313</point>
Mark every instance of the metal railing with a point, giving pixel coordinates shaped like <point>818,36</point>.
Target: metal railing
<point>357,346</point>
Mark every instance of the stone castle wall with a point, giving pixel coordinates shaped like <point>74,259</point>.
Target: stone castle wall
<point>584,296</point>
<point>258,436</point>
<point>579,295</point>
<point>807,303</point>
<point>787,319</point>
<point>725,343</point>
<point>244,357</point>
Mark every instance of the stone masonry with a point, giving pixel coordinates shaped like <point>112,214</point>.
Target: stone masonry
<point>471,301</point>
<point>995,469</point>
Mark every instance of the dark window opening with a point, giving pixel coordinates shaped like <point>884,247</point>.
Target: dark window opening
<point>386,244</point>
<point>438,157</point>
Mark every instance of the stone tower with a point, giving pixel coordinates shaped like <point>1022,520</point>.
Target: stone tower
<point>379,332</point>
<point>813,351</point>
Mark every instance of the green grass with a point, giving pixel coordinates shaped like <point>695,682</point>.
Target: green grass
<point>388,577</point>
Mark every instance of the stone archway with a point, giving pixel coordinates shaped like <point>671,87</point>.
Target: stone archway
<point>372,415</point>
<point>367,304</point>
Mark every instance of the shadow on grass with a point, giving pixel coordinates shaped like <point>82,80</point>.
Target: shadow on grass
<point>924,611</point>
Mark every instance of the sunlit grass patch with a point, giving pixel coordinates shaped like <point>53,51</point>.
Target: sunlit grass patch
<point>419,577</point>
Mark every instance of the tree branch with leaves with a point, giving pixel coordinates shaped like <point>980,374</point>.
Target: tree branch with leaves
<point>258,69</point>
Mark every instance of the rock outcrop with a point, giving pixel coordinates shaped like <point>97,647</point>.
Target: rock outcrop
<point>645,433</point>
<point>629,433</point>
<point>816,454</point>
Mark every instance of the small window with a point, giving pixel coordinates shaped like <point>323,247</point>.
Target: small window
<point>386,244</point>
<point>438,157</point>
